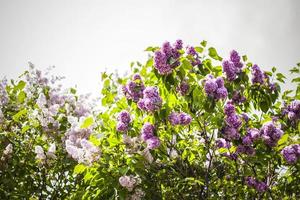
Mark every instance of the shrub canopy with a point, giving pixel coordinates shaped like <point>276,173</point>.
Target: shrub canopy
<point>187,124</point>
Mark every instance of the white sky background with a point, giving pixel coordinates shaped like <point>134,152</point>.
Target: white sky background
<point>83,38</point>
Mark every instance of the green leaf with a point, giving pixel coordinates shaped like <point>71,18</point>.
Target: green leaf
<point>79,169</point>
<point>20,85</point>
<point>21,96</point>
<point>20,114</point>
<point>296,80</point>
<point>87,122</point>
<point>283,139</point>
<point>203,43</point>
<point>212,52</point>
<point>149,62</point>
<point>245,58</point>
<point>199,49</point>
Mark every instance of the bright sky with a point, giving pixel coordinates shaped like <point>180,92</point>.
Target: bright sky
<point>84,38</point>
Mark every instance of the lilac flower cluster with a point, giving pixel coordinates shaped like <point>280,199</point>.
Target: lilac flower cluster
<point>215,88</point>
<point>85,152</point>
<point>291,153</point>
<point>124,120</point>
<point>193,56</point>
<point>222,143</point>
<point>42,156</point>
<point>293,111</point>
<point>129,182</point>
<point>260,186</point>
<point>271,134</point>
<point>247,141</point>
<point>3,93</point>
<point>257,75</point>
<point>147,136</point>
<point>183,88</point>
<point>166,59</point>
<point>181,118</point>
<point>238,98</point>
<point>233,66</point>
<point>7,153</point>
<point>77,144</point>
<point>233,122</point>
<point>1,116</point>
<point>151,100</point>
<point>245,149</point>
<point>134,88</point>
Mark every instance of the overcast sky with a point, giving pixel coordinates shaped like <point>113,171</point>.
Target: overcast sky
<point>83,38</point>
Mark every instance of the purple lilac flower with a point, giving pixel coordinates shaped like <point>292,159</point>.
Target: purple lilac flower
<point>291,153</point>
<point>233,66</point>
<point>292,111</point>
<point>250,181</point>
<point>229,109</point>
<point>222,143</point>
<point>147,131</point>
<point>194,56</point>
<point>245,150</point>
<point>153,142</point>
<point>271,134</point>
<point>124,117</point>
<point>181,118</point>
<point>134,88</point>
<point>122,127</point>
<point>124,120</point>
<point>166,59</point>
<point>233,122</point>
<point>253,133</point>
<point>183,88</point>
<point>215,88</point>
<point>245,117</point>
<point>231,133</point>
<point>185,119</point>
<point>3,93</point>
<point>151,101</point>
<point>237,98</point>
<point>232,119</point>
<point>260,186</point>
<point>257,75</point>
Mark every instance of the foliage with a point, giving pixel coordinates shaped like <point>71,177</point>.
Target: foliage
<point>187,124</point>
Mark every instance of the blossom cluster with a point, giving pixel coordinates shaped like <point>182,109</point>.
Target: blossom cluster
<point>167,58</point>
<point>180,118</point>
<point>215,88</point>
<point>233,66</point>
<point>257,75</point>
<point>151,100</point>
<point>134,88</point>
<point>129,182</point>
<point>3,93</point>
<point>85,153</point>
<point>291,153</point>
<point>293,110</point>
<point>260,186</point>
<point>77,144</point>
<point>124,120</point>
<point>247,141</point>
<point>42,156</point>
<point>193,56</point>
<point>183,88</point>
<point>7,153</point>
<point>233,122</point>
<point>147,135</point>
<point>271,134</point>
<point>238,98</point>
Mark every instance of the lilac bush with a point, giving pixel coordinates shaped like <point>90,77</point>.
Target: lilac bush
<point>186,124</point>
